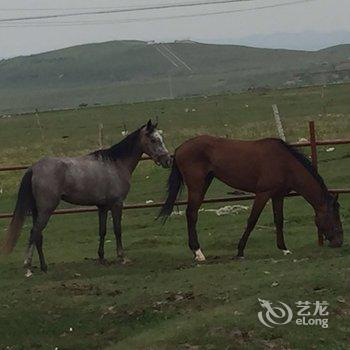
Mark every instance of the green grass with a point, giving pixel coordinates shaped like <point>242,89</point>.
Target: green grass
<point>163,300</point>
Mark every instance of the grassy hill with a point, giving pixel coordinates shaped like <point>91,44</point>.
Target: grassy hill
<point>129,71</point>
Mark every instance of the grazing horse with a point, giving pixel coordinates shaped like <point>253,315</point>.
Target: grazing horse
<point>101,178</point>
<point>270,168</point>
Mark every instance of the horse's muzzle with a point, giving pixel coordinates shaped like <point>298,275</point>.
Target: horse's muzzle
<point>165,160</point>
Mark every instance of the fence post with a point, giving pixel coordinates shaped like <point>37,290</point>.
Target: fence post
<point>279,126</point>
<point>314,163</point>
<point>313,143</point>
<point>40,127</point>
<point>100,135</point>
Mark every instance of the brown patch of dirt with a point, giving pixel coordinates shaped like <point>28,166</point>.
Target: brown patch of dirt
<point>81,288</point>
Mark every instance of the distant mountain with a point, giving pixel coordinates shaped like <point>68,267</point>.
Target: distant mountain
<point>129,71</point>
<point>309,41</point>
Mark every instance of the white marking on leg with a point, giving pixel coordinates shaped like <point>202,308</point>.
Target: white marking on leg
<point>126,261</point>
<point>28,273</point>
<point>286,252</point>
<point>29,257</point>
<point>199,256</point>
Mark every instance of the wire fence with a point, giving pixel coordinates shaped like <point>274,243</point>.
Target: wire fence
<point>313,143</point>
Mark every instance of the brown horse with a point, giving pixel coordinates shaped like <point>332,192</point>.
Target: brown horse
<point>270,168</point>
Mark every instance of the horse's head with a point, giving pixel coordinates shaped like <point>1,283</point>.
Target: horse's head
<point>153,145</point>
<point>329,223</point>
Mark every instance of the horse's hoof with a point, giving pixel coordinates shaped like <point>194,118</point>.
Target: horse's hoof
<point>240,257</point>
<point>199,256</point>
<point>287,252</point>
<point>43,268</point>
<point>103,262</point>
<point>28,273</point>
<point>124,261</point>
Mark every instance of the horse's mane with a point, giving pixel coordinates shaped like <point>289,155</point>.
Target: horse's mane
<point>119,150</point>
<point>301,158</point>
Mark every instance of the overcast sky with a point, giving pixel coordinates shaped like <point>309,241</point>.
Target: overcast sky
<point>22,38</point>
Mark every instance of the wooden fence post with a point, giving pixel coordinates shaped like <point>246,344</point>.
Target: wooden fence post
<point>100,135</point>
<point>279,126</point>
<point>40,127</point>
<point>314,163</point>
<point>313,143</point>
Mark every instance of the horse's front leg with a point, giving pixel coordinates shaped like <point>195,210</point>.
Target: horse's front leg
<point>277,205</point>
<point>102,217</point>
<point>197,187</point>
<point>194,203</point>
<point>117,225</point>
<point>259,204</point>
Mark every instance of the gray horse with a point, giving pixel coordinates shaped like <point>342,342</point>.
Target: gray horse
<point>101,178</point>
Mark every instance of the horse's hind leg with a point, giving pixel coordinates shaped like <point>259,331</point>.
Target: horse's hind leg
<point>277,205</point>
<point>39,244</point>
<point>197,187</point>
<point>29,257</point>
<point>40,220</point>
<point>39,248</point>
<point>29,252</point>
<point>259,204</point>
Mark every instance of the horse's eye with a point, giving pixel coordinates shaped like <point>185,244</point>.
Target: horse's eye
<point>153,140</point>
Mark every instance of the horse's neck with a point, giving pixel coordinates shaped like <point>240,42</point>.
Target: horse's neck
<point>132,160</point>
<point>312,192</point>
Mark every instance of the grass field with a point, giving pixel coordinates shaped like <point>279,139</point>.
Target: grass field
<point>162,299</point>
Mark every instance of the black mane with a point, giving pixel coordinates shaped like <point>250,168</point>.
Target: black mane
<point>119,150</point>
<point>306,163</point>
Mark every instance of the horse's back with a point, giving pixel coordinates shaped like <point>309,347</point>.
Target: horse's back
<point>248,165</point>
<point>48,171</point>
<point>79,180</point>
<point>213,148</point>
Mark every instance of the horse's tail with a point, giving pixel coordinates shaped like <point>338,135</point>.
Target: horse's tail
<point>24,206</point>
<point>175,183</point>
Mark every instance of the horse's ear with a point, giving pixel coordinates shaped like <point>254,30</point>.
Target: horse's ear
<point>336,196</point>
<point>149,125</point>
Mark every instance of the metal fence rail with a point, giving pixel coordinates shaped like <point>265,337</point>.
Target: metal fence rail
<point>238,198</point>
<point>295,144</point>
<point>312,144</point>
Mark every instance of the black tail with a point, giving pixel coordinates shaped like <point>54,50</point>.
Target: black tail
<point>175,183</point>
<point>24,206</point>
